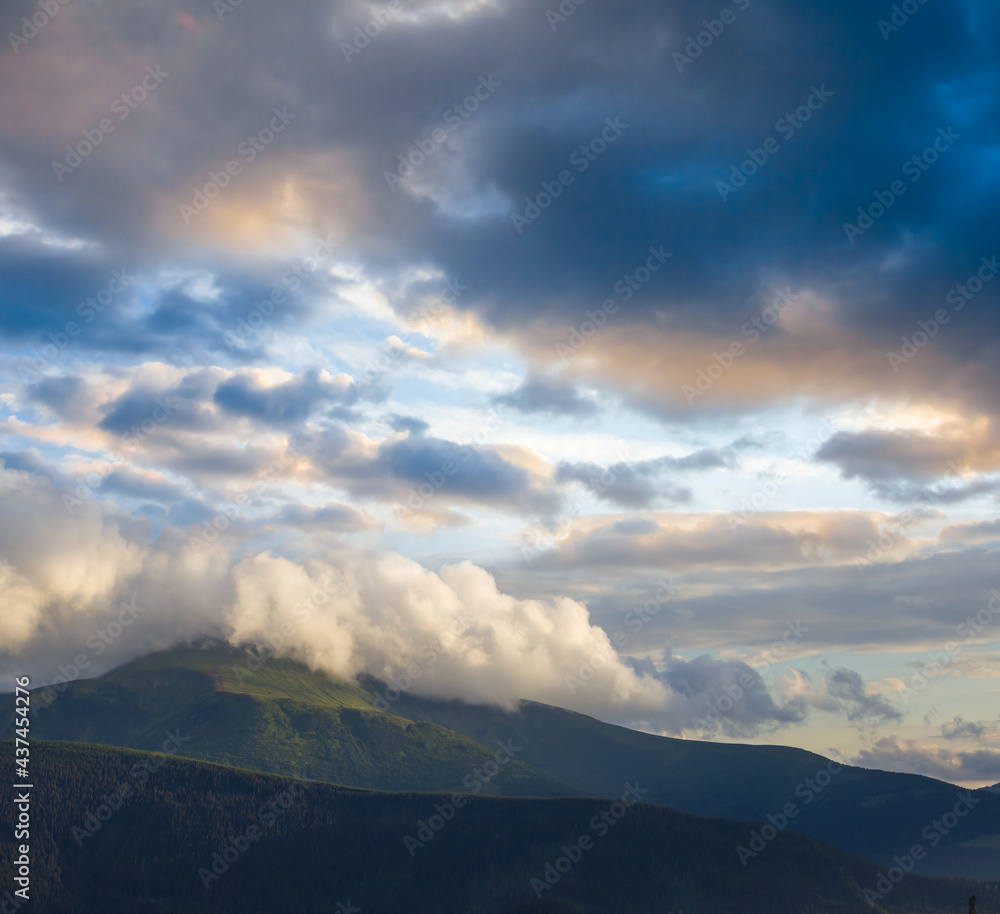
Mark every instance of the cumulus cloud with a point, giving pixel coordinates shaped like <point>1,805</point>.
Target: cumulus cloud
<point>382,614</point>
<point>349,612</point>
<point>71,566</point>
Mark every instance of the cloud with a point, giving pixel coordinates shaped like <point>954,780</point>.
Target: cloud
<point>425,475</point>
<point>983,533</point>
<point>896,463</point>
<point>959,728</point>
<point>840,691</point>
<point>765,541</point>
<point>410,424</point>
<point>890,753</point>
<point>386,613</point>
<point>545,395</point>
<point>725,696</point>
<point>285,403</point>
<point>69,573</point>
<point>74,564</point>
<point>642,484</point>
<point>332,516</point>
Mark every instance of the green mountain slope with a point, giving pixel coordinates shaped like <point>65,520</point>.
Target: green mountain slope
<point>876,814</point>
<point>122,832</point>
<point>276,717</point>
<point>283,718</point>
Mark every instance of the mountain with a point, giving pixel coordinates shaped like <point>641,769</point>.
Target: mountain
<point>876,814</point>
<point>282,718</point>
<point>123,832</point>
<point>279,717</point>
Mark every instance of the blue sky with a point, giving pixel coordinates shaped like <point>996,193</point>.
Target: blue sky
<point>489,311</point>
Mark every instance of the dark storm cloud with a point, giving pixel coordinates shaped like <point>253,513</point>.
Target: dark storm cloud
<point>46,287</point>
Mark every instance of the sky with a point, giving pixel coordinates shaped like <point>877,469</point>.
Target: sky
<point>636,358</point>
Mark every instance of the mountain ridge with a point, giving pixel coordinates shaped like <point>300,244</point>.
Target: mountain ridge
<point>283,718</point>
<point>210,839</point>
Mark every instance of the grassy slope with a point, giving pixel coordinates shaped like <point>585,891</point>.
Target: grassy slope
<point>337,844</point>
<point>281,719</point>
